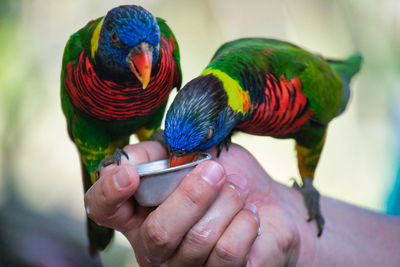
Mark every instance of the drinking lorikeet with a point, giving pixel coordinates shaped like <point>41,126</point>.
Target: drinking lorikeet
<point>117,73</point>
<point>263,87</point>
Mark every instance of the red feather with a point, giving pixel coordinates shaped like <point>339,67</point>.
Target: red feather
<point>284,110</point>
<point>107,100</point>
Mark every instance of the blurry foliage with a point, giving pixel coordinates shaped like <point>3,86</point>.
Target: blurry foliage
<point>375,28</point>
<point>31,239</point>
<point>27,238</point>
<point>9,8</point>
<point>20,85</point>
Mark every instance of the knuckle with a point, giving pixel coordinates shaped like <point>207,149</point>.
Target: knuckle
<point>104,194</point>
<point>199,237</point>
<point>236,196</point>
<point>90,206</point>
<point>94,199</point>
<point>89,211</point>
<point>126,226</point>
<point>192,196</point>
<point>156,234</point>
<point>95,217</point>
<point>250,218</point>
<point>225,253</point>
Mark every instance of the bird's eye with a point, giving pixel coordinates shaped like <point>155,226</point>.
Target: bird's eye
<point>114,37</point>
<point>210,134</point>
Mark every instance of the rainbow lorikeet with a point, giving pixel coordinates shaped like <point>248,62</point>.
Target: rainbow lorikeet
<point>117,73</point>
<point>263,87</point>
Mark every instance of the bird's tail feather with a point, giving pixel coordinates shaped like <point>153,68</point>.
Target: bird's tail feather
<point>346,69</point>
<point>99,236</point>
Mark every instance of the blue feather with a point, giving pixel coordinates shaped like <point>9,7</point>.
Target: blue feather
<point>133,25</point>
<point>199,106</point>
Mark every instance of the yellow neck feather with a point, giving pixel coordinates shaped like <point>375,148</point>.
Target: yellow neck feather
<point>238,99</point>
<point>94,42</point>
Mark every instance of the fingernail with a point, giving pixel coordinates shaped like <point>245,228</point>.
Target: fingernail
<point>122,178</point>
<point>212,173</point>
<point>238,181</point>
<point>87,210</point>
<point>251,207</point>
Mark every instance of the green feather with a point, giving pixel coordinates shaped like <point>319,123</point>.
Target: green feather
<point>263,87</point>
<point>167,33</point>
<point>346,69</point>
<point>239,58</point>
<point>97,139</point>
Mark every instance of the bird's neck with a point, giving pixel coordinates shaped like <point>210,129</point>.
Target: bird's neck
<point>238,98</point>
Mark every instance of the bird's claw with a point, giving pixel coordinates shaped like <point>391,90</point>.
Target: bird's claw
<point>225,143</point>
<point>115,158</point>
<point>311,198</point>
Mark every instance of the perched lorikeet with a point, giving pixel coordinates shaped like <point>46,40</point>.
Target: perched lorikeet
<point>117,73</point>
<point>263,87</point>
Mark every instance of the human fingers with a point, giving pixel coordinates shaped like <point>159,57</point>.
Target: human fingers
<point>145,152</point>
<point>279,243</point>
<point>234,245</point>
<point>163,230</point>
<point>202,237</point>
<point>107,201</point>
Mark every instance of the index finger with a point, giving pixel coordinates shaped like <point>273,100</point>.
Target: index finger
<point>145,152</point>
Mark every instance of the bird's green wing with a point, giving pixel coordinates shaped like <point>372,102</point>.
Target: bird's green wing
<point>249,59</point>
<point>319,82</point>
<point>85,136</point>
<point>82,40</point>
<point>167,33</point>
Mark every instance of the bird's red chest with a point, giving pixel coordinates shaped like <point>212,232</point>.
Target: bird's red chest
<point>107,100</point>
<point>283,111</point>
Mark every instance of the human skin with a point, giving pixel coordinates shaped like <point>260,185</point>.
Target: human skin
<point>205,223</point>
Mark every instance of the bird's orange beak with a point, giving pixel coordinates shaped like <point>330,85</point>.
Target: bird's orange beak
<point>139,60</point>
<point>180,160</point>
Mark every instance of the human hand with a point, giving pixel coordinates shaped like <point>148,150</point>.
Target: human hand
<point>286,238</point>
<point>206,221</point>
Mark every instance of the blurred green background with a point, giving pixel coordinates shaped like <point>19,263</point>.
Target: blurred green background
<point>41,199</point>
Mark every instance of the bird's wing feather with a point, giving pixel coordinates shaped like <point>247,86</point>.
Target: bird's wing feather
<point>167,33</point>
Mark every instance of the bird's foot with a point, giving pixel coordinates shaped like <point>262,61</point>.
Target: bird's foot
<point>115,158</point>
<point>311,198</point>
<point>160,137</point>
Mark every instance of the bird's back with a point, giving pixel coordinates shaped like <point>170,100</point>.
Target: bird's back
<point>286,84</point>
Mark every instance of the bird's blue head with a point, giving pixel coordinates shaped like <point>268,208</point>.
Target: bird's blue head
<point>129,42</point>
<point>199,117</point>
